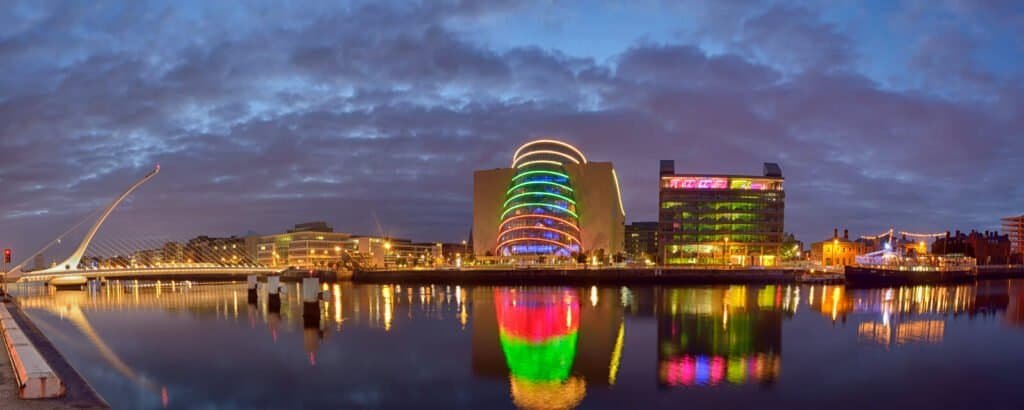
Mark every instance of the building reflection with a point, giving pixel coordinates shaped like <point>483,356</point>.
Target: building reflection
<point>550,344</point>
<point>916,314</point>
<point>553,345</point>
<point>712,336</point>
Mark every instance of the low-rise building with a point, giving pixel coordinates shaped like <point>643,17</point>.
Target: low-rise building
<point>988,248</point>
<point>838,251</point>
<point>315,245</point>
<point>216,250</point>
<point>310,245</point>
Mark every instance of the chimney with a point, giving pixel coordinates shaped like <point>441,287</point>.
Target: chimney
<point>846,234</point>
<point>835,233</point>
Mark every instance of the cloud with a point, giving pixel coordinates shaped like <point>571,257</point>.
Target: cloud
<point>373,116</point>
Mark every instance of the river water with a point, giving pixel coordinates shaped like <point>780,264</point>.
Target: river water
<point>182,345</point>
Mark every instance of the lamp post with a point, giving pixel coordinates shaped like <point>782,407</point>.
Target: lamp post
<point>725,252</point>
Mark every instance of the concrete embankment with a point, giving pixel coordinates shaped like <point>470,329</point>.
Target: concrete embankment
<point>1000,271</point>
<point>580,276</point>
<point>33,374</point>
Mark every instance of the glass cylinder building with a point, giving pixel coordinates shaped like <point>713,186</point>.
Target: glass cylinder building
<point>551,205</point>
<point>539,215</point>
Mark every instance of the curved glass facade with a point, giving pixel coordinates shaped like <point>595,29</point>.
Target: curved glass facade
<point>539,214</point>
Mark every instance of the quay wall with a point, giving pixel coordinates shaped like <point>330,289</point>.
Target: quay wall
<point>581,276</point>
<point>1000,271</point>
<point>77,393</point>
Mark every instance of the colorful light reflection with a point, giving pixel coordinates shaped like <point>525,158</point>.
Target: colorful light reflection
<point>538,332</point>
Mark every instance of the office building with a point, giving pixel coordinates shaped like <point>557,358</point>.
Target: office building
<point>1014,227</point>
<point>315,245</point>
<point>311,245</point>
<point>642,241</point>
<point>720,219</point>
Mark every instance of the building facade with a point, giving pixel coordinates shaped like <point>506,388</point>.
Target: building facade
<point>720,219</point>
<point>315,245</point>
<point>1014,228</point>
<point>212,250</point>
<point>551,204</point>
<point>311,245</point>
<point>988,248</point>
<point>838,252</point>
<point>642,241</point>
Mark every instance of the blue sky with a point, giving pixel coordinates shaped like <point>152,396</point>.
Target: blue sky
<point>264,114</point>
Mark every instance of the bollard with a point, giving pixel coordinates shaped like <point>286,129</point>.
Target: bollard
<point>310,297</point>
<point>273,293</point>
<point>251,289</point>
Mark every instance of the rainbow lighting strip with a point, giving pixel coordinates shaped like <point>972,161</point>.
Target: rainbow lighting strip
<point>541,203</point>
<point>702,370</point>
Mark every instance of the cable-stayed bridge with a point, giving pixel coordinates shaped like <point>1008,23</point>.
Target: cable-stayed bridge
<point>138,258</point>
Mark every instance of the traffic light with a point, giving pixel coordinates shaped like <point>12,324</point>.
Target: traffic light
<point>7,255</point>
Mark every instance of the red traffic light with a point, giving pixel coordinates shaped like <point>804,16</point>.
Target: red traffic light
<point>7,255</point>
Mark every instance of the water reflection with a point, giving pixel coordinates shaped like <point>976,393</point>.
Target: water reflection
<point>549,343</point>
<point>541,347</point>
<point>719,335</point>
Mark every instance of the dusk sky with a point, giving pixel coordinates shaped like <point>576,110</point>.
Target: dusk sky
<point>373,116</point>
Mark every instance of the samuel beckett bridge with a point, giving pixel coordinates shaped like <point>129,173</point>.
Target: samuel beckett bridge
<point>123,259</point>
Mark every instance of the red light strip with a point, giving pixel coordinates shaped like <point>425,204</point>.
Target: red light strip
<point>533,239</point>
<point>543,228</point>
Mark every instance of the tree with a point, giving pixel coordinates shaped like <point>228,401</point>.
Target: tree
<point>790,248</point>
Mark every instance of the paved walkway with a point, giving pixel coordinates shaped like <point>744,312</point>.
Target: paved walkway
<point>79,395</point>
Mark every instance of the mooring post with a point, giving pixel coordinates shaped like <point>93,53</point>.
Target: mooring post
<point>273,293</point>
<point>311,297</point>
<point>251,288</point>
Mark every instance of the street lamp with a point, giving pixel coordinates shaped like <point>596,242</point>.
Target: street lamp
<point>725,252</point>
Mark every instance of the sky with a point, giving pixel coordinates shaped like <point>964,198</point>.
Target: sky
<point>373,115</point>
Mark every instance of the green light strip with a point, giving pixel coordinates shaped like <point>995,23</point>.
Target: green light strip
<point>510,209</point>
<point>558,174</point>
<point>538,193</point>
<point>520,185</point>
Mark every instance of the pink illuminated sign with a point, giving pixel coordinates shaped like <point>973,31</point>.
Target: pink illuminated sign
<point>715,183</point>
<point>697,183</point>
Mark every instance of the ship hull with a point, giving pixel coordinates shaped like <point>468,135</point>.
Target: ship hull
<point>871,276</point>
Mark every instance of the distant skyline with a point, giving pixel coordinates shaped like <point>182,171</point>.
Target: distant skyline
<point>373,115</point>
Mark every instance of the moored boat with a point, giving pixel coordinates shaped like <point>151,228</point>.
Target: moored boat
<point>884,268</point>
